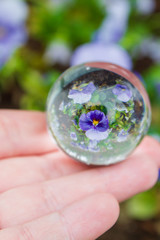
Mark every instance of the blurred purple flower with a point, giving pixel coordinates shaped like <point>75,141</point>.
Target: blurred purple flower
<point>13,11</point>
<point>145,7</point>
<point>150,48</point>
<point>122,136</point>
<point>58,52</point>
<point>73,136</point>
<point>123,92</point>
<point>83,94</point>
<point>100,52</point>
<point>12,29</point>
<point>115,24</point>
<point>96,124</point>
<point>104,47</point>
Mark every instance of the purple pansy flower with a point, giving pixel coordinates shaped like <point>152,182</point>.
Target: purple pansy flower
<point>123,92</point>
<point>83,94</point>
<point>12,29</point>
<point>96,124</point>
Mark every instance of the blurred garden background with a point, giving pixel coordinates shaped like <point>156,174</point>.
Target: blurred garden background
<point>39,39</point>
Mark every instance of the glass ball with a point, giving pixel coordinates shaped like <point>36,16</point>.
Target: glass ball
<point>98,112</point>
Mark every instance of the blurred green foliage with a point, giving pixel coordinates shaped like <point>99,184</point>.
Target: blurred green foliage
<point>72,23</point>
<point>145,205</point>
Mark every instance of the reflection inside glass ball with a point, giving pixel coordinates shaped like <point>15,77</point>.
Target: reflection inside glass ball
<point>98,113</point>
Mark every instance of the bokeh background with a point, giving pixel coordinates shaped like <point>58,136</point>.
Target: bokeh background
<point>39,39</point>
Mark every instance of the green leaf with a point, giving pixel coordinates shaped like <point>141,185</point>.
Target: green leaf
<point>143,206</point>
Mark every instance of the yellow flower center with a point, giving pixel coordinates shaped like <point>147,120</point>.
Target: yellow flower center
<point>95,122</point>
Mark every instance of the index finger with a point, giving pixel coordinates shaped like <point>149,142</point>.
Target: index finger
<point>23,133</point>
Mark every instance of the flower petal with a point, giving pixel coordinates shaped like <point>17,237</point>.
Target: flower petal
<point>72,92</point>
<point>123,92</point>
<point>103,125</point>
<point>123,97</point>
<point>94,134</point>
<point>89,89</point>
<point>118,89</point>
<point>14,12</point>
<point>85,123</point>
<point>96,114</point>
<point>83,95</point>
<point>79,97</point>
<point>112,53</point>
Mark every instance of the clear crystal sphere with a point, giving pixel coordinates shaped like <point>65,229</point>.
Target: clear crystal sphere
<point>98,112</point>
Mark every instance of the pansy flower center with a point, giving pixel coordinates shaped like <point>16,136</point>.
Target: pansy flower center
<point>122,88</point>
<point>95,122</point>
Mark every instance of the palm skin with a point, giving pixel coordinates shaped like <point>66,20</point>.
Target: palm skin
<point>44,194</point>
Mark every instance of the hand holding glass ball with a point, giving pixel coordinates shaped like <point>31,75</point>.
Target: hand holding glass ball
<point>98,113</point>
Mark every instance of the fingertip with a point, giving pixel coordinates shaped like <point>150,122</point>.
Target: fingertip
<point>111,207</point>
<point>146,171</point>
<point>93,216</point>
<point>151,147</point>
<point>106,205</point>
<point>150,175</point>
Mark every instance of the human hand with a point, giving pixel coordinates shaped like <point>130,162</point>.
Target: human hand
<point>44,194</point>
